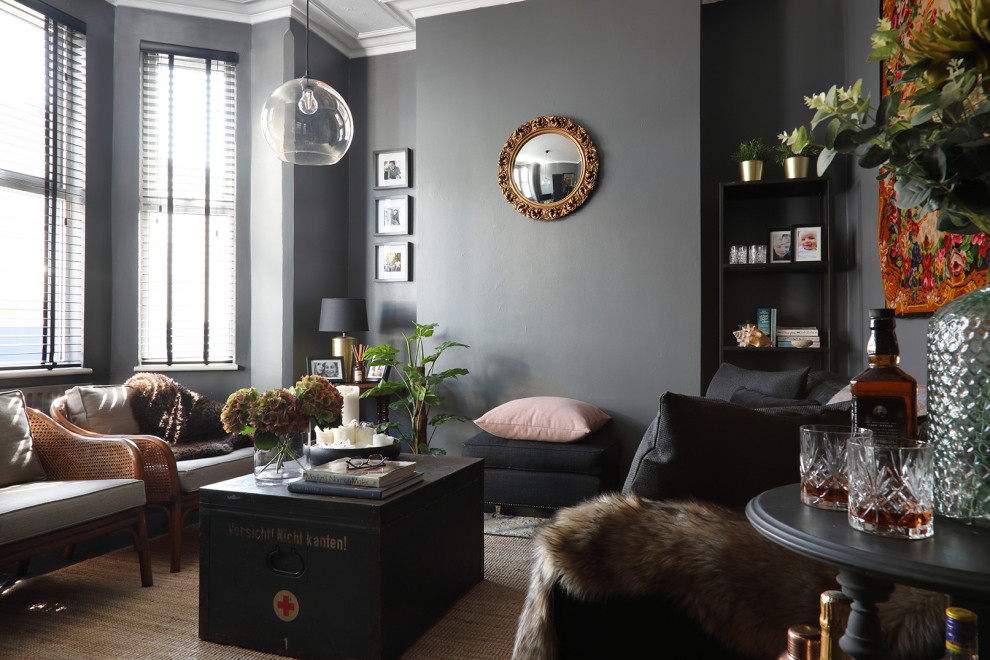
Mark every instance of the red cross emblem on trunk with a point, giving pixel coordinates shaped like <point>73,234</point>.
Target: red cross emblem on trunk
<point>286,605</point>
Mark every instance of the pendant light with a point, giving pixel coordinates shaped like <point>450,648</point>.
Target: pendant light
<point>305,121</point>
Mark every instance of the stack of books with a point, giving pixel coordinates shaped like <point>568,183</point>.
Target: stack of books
<point>334,478</point>
<point>786,337</point>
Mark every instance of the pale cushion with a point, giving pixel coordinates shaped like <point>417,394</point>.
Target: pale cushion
<point>102,409</point>
<point>19,461</point>
<point>198,472</point>
<point>544,418</point>
<point>30,509</point>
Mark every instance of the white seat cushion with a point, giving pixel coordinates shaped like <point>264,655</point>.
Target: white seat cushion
<point>40,507</point>
<point>197,472</point>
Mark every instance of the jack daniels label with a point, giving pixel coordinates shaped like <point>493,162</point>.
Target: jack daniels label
<point>886,416</point>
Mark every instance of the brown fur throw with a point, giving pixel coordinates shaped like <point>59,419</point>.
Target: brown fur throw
<point>743,589</point>
<point>187,421</point>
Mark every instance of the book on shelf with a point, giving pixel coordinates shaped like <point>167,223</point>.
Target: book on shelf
<point>766,322</point>
<point>805,331</point>
<point>362,492</point>
<point>389,473</point>
<point>786,342</point>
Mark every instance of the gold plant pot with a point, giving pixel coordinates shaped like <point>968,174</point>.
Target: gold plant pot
<point>751,170</point>
<point>796,167</point>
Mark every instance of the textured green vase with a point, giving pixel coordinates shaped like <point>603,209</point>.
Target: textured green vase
<point>959,406</point>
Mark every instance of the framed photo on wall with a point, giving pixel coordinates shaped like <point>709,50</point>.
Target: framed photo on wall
<point>392,262</point>
<point>376,373</point>
<point>392,168</point>
<point>807,242</point>
<point>331,368</point>
<point>781,243</point>
<point>392,215</point>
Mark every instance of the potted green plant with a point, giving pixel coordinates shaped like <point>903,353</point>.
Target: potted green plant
<point>931,131</point>
<point>751,155</point>
<point>796,166</point>
<point>416,388</point>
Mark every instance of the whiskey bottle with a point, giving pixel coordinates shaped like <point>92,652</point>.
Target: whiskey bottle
<point>960,634</point>
<point>835,607</point>
<point>885,398</point>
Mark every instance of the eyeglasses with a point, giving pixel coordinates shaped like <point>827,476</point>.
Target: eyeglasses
<point>373,461</point>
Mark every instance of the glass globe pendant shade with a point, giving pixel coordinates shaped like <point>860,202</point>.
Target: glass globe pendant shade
<point>306,122</point>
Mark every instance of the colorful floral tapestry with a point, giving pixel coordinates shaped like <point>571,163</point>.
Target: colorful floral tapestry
<point>922,268</point>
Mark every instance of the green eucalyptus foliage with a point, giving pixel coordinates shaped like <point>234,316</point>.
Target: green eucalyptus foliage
<point>416,387</point>
<point>933,135</point>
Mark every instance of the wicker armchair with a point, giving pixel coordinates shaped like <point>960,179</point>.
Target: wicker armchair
<point>69,457</point>
<point>164,487</point>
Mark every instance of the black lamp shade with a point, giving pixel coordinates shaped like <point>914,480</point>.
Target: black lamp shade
<point>343,315</point>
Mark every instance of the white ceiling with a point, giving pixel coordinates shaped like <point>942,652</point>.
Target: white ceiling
<point>355,27</point>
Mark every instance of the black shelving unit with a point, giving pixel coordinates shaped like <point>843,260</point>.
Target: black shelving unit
<point>801,291</point>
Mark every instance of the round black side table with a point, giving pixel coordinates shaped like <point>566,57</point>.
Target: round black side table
<point>956,561</point>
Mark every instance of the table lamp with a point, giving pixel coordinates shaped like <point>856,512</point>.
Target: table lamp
<point>344,315</point>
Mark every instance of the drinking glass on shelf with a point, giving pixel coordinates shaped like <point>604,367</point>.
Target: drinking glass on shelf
<point>891,484</point>
<point>757,254</point>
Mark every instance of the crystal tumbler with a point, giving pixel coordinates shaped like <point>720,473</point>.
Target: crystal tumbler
<point>824,484</point>
<point>891,487</point>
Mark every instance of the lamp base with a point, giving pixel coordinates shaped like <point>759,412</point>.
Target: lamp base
<point>343,346</point>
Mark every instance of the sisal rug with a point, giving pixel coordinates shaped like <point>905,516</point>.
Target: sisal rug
<point>97,609</point>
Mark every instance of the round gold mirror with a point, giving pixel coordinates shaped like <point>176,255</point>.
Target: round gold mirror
<point>547,168</point>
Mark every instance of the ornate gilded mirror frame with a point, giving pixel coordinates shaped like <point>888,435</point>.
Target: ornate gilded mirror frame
<point>581,188</point>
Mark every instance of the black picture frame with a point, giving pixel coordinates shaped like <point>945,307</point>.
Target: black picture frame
<point>392,168</point>
<point>377,372</point>
<point>331,368</point>
<point>805,253</point>
<point>777,235</point>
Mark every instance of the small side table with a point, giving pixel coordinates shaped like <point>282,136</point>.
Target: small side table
<point>956,560</point>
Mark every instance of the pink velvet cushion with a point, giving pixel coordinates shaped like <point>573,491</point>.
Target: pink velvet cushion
<point>546,418</point>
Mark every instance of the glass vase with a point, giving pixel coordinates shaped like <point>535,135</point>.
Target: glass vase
<point>959,406</point>
<point>281,464</point>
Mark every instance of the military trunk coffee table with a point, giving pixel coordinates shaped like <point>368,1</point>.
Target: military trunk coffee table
<point>312,576</point>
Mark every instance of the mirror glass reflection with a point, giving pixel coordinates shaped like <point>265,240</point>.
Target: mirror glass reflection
<point>547,167</point>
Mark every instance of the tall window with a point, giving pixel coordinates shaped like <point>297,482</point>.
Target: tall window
<point>42,186</point>
<point>187,206</point>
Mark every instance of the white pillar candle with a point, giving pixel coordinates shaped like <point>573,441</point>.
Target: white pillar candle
<point>381,440</point>
<point>324,436</point>
<point>351,411</point>
<point>341,435</point>
<point>363,436</point>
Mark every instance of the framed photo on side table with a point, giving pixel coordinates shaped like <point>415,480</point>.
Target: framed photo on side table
<point>392,215</point>
<point>807,242</point>
<point>376,373</point>
<point>392,262</point>
<point>780,246</point>
<point>331,368</point>
<point>393,168</point>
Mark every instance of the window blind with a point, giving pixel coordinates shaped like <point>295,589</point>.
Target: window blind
<point>42,186</point>
<point>187,260</point>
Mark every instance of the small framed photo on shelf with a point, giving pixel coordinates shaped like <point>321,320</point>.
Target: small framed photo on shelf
<point>331,368</point>
<point>392,215</point>
<point>376,373</point>
<point>392,262</point>
<point>392,168</point>
<point>780,246</point>
<point>807,242</point>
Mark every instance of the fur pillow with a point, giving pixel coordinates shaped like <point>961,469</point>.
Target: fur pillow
<point>174,413</point>
<point>741,588</point>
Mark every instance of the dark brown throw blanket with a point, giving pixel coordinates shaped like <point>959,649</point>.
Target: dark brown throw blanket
<point>187,421</point>
<point>740,587</point>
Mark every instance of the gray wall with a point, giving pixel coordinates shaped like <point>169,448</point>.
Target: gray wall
<point>602,305</point>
